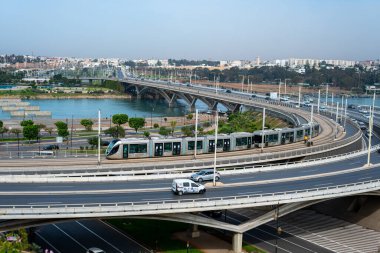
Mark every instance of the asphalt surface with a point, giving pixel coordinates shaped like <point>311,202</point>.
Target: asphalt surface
<point>78,236</point>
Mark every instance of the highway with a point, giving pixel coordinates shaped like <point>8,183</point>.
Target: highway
<point>58,194</point>
<point>78,236</point>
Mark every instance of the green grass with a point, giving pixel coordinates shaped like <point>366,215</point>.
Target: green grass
<point>250,248</point>
<point>157,235</point>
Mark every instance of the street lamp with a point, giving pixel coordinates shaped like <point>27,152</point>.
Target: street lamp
<point>371,111</point>
<point>216,143</point>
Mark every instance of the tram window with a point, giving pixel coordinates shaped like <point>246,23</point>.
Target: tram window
<point>287,135</point>
<point>137,148</point>
<point>220,144</point>
<point>307,131</point>
<point>316,128</point>
<point>190,145</point>
<point>299,133</point>
<point>256,139</point>
<point>199,144</point>
<point>168,147</point>
<point>244,141</point>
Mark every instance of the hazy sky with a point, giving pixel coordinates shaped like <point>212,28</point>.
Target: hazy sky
<point>192,29</point>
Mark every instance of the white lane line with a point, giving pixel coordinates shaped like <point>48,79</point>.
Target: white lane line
<point>156,184</point>
<point>157,199</point>
<point>357,162</point>
<point>72,238</point>
<point>317,185</point>
<point>47,242</point>
<point>278,236</point>
<point>56,186</point>
<point>364,178</point>
<point>126,236</point>
<point>247,193</point>
<point>43,203</point>
<point>241,178</point>
<point>89,230</point>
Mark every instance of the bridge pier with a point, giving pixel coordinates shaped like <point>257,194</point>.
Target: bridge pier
<point>195,232</point>
<point>237,243</point>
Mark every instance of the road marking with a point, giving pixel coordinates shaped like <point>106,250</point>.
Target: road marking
<point>364,178</point>
<point>357,162</point>
<point>247,193</point>
<point>99,237</point>
<point>56,186</point>
<point>46,241</point>
<point>126,236</point>
<point>240,178</point>
<point>156,183</point>
<point>308,170</point>
<point>274,235</point>
<point>317,185</point>
<point>72,238</point>
<point>157,199</point>
<point>43,203</point>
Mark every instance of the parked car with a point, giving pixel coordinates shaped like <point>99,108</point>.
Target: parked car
<point>183,186</point>
<point>95,250</point>
<point>205,175</point>
<point>50,147</point>
<point>228,91</point>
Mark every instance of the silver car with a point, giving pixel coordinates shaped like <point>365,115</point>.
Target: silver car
<point>205,175</point>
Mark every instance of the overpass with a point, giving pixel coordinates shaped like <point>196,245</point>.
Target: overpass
<point>48,197</point>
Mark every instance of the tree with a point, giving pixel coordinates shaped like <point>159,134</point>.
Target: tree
<point>49,130</point>
<point>146,134</point>
<point>115,132</point>
<point>156,125</point>
<point>87,123</point>
<point>164,131</point>
<point>119,119</point>
<point>28,122</point>
<point>1,124</point>
<point>62,129</point>
<point>16,131</point>
<point>3,130</point>
<point>189,116</point>
<point>41,126</point>
<point>186,130</point>
<point>93,141</point>
<point>136,123</point>
<point>173,124</point>
<point>30,132</point>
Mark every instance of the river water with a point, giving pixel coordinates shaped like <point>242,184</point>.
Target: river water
<point>88,108</point>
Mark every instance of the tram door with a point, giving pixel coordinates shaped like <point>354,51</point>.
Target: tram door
<point>226,144</point>
<point>283,138</point>
<point>249,144</point>
<point>211,145</point>
<point>158,149</point>
<point>176,148</point>
<point>125,151</point>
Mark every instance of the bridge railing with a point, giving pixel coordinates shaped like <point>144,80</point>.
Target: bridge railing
<point>184,204</point>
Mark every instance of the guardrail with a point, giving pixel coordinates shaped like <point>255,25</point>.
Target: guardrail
<point>183,205</point>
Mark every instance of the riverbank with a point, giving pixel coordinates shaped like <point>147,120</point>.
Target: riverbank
<point>66,96</point>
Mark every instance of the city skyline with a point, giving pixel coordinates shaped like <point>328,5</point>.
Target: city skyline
<point>192,30</point>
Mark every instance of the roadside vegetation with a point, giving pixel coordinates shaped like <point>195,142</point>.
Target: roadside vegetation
<point>17,242</point>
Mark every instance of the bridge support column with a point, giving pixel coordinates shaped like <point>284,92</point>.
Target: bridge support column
<point>195,232</point>
<point>237,243</point>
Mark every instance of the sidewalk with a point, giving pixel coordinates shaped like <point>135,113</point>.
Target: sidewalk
<point>205,242</point>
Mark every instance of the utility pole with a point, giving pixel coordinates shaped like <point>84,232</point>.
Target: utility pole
<point>311,121</point>
<point>299,96</point>
<point>327,93</point>
<point>319,100</point>
<point>279,90</point>
<point>371,111</point>
<point>216,143</point>
<point>196,133</point>
<point>99,137</point>
<point>345,115</point>
<point>262,134</point>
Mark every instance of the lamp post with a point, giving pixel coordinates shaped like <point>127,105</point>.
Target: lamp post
<point>285,85</point>
<point>196,134</point>
<point>371,111</point>
<point>216,143</point>
<point>263,135</point>
<point>299,96</point>
<point>99,137</point>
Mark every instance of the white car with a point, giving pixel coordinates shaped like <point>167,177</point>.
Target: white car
<point>95,250</point>
<point>183,186</point>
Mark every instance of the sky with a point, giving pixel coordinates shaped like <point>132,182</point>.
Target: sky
<point>192,29</point>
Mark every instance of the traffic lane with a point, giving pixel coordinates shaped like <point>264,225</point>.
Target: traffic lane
<point>51,237</point>
<point>78,236</point>
<point>268,235</point>
<point>227,179</point>
<point>46,199</point>
<point>112,235</point>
